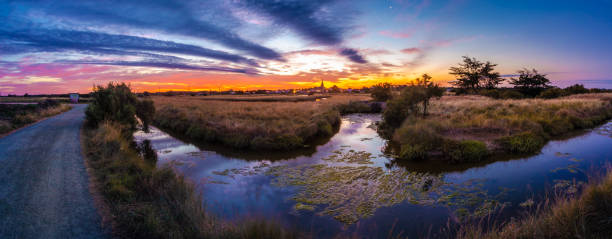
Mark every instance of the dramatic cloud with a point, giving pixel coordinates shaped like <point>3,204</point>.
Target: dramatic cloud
<point>167,65</point>
<point>353,55</point>
<point>55,40</point>
<point>310,19</point>
<point>175,17</point>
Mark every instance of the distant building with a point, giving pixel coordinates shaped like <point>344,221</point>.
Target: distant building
<point>74,97</point>
<point>322,88</point>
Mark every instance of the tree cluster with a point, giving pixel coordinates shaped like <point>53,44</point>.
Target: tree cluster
<point>472,74</point>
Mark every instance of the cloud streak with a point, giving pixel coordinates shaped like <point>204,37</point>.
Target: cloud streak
<point>169,16</point>
<point>56,40</point>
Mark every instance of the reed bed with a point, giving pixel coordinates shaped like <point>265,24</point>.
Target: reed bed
<point>253,125</point>
<point>560,216</point>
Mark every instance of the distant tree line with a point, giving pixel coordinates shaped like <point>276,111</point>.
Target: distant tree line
<point>477,77</point>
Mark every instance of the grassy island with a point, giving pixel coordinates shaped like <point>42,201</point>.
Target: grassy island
<point>472,128</point>
<point>258,124</point>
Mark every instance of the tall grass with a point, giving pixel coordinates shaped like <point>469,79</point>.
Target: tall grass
<point>150,202</point>
<point>510,126</point>
<point>251,125</point>
<point>16,116</point>
<point>586,216</point>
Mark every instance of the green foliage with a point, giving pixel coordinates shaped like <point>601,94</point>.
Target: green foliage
<point>465,151</point>
<point>412,152</point>
<point>553,92</point>
<point>474,74</point>
<point>523,143</point>
<point>359,107</point>
<point>413,101</point>
<point>511,94</point>
<point>576,89</point>
<point>381,92</point>
<point>145,111</point>
<point>117,103</point>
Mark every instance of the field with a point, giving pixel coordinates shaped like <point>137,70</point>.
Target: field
<point>255,125</point>
<point>266,98</point>
<point>470,128</point>
<point>14,116</point>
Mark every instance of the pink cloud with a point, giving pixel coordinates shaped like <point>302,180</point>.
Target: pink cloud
<point>411,50</point>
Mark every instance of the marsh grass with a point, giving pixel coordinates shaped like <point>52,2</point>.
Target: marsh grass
<point>560,216</point>
<point>265,98</point>
<point>150,202</point>
<point>508,126</point>
<point>251,125</point>
<point>16,116</point>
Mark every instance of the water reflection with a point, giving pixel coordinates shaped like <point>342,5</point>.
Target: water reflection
<point>349,185</point>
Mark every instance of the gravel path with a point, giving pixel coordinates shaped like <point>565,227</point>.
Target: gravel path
<point>44,187</point>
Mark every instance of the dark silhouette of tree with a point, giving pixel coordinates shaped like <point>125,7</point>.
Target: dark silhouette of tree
<point>489,78</point>
<point>409,100</point>
<point>430,89</point>
<point>473,74</point>
<point>381,92</point>
<point>530,79</point>
<point>334,89</point>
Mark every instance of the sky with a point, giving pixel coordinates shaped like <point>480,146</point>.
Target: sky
<point>158,45</point>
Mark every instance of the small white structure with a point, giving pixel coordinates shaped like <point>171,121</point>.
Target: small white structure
<point>74,97</point>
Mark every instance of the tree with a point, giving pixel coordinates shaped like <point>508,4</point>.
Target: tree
<point>382,92</point>
<point>473,74</point>
<point>407,104</point>
<point>489,78</point>
<point>431,90</point>
<point>530,79</point>
<point>334,89</point>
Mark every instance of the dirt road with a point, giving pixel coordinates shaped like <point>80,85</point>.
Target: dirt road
<point>43,182</point>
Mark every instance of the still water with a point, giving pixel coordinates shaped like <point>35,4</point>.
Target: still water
<point>348,185</point>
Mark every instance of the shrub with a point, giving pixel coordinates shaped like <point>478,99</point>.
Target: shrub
<point>355,107</point>
<point>523,143</point>
<point>117,103</point>
<point>511,94</point>
<point>412,152</point>
<point>576,89</point>
<point>381,92</point>
<point>465,151</point>
<point>551,93</point>
<point>493,93</point>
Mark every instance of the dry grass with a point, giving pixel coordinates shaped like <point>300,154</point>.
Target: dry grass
<point>16,116</point>
<point>587,216</point>
<point>256,125</point>
<point>265,98</point>
<point>515,126</point>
